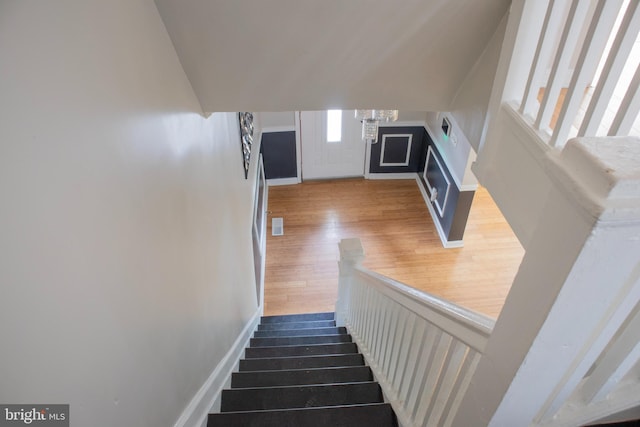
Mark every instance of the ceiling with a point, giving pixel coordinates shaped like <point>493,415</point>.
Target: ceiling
<point>283,55</point>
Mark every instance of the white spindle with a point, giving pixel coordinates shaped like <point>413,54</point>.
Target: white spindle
<point>403,354</point>
<point>462,382</point>
<point>384,310</point>
<point>386,335</point>
<point>612,70</point>
<point>615,363</point>
<point>396,343</point>
<point>432,344</point>
<point>406,380</point>
<point>390,346</point>
<point>602,22</point>
<point>371,317</point>
<point>358,299</point>
<point>568,40</point>
<point>552,21</point>
<point>436,365</point>
<point>629,108</point>
<point>446,382</point>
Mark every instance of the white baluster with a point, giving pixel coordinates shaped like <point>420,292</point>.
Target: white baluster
<point>393,343</point>
<point>612,70</point>
<point>559,69</point>
<point>403,354</point>
<point>629,108</point>
<point>601,25</point>
<point>552,21</point>
<point>431,347</point>
<point>417,341</point>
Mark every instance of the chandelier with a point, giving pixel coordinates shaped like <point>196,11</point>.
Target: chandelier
<point>371,119</point>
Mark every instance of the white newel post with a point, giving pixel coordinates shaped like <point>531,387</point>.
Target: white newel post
<point>351,255</point>
<point>578,284</point>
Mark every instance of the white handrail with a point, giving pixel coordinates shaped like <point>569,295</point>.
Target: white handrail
<point>422,349</point>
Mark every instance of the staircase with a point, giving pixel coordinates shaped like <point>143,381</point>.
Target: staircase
<point>301,370</point>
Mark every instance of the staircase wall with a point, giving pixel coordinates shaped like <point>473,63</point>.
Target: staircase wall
<point>511,167</point>
<point>126,268</point>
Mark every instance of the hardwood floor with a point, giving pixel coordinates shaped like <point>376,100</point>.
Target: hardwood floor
<point>399,238</point>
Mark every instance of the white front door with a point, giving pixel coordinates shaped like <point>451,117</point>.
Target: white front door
<point>331,143</point>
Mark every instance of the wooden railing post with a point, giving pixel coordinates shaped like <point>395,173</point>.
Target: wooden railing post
<point>351,255</point>
<point>575,295</point>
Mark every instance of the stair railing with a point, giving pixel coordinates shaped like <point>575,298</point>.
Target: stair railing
<point>423,350</point>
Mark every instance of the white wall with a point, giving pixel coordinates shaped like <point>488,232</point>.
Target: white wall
<point>125,246</point>
<point>472,100</point>
<point>411,116</point>
<point>277,120</point>
<point>511,167</point>
<point>316,54</point>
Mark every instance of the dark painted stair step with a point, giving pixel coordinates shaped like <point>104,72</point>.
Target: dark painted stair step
<point>253,399</point>
<point>298,317</point>
<point>250,379</point>
<point>297,325</point>
<point>377,414</point>
<point>275,363</point>
<point>282,341</point>
<point>300,332</point>
<point>300,350</point>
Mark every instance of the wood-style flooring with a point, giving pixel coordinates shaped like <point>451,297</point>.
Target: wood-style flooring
<point>399,238</point>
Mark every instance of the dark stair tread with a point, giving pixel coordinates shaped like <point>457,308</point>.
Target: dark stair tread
<point>376,414</point>
<point>297,317</point>
<point>300,332</point>
<point>297,325</point>
<point>300,350</point>
<point>252,399</point>
<point>321,361</point>
<point>304,340</point>
<point>253,379</point>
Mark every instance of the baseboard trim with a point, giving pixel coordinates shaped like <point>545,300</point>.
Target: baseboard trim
<point>447,244</point>
<point>402,175</point>
<point>282,181</point>
<point>196,412</point>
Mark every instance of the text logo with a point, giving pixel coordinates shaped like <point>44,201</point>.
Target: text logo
<point>34,415</point>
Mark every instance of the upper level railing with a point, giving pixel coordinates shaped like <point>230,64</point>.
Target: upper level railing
<point>585,74</point>
<point>422,350</point>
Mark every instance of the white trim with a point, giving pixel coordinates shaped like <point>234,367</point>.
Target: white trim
<point>444,175</point>
<point>468,187</point>
<point>408,153</point>
<point>296,116</point>
<point>282,181</point>
<point>196,412</point>
<point>445,243</point>
<point>402,175</point>
<point>273,129</point>
<point>408,123</point>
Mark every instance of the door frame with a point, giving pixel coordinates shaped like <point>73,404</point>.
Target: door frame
<point>298,130</point>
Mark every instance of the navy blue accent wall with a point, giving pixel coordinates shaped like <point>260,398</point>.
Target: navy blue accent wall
<point>279,154</point>
<point>458,204</point>
<point>395,149</point>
